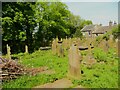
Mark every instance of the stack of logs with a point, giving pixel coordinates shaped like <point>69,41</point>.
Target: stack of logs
<point>10,69</point>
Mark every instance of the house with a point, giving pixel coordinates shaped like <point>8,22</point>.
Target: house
<point>87,30</point>
<point>103,29</point>
<point>96,30</point>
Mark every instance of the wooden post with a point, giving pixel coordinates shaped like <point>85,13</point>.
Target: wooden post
<point>26,49</point>
<point>8,52</point>
<point>74,62</point>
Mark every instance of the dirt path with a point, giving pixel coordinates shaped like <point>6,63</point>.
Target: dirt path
<point>62,83</point>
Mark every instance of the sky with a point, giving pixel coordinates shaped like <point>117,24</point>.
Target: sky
<point>98,11</point>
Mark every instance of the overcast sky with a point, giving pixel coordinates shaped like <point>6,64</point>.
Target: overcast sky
<point>99,11</point>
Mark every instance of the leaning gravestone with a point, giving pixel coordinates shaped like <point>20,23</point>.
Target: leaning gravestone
<point>8,52</point>
<point>74,62</point>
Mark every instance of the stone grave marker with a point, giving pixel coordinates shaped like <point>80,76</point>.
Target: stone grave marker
<point>78,42</point>
<point>26,49</point>
<point>118,47</point>
<point>8,52</point>
<point>69,43</point>
<point>74,62</point>
<point>89,58</point>
<point>54,47</point>
<point>89,47</point>
<point>111,43</point>
<point>106,47</point>
<point>102,44</point>
<point>60,50</point>
<point>65,43</point>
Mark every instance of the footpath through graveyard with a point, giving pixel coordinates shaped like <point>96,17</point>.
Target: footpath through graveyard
<point>61,83</point>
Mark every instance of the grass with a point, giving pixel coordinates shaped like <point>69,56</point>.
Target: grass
<point>103,75</point>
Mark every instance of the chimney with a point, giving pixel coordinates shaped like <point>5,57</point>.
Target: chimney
<point>100,24</point>
<point>110,23</point>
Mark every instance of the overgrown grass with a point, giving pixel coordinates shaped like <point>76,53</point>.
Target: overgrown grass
<point>38,59</point>
<point>101,75</point>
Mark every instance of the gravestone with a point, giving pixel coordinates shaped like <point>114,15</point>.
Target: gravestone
<point>106,47</point>
<point>65,43</point>
<point>111,43</point>
<point>8,52</point>
<point>69,43</point>
<point>60,50</point>
<point>102,44</point>
<point>26,49</point>
<point>54,47</point>
<point>74,62</point>
<point>89,58</point>
<point>78,42</point>
<point>117,46</point>
<point>89,47</point>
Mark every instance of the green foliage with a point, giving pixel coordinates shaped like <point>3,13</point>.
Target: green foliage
<point>106,36</point>
<point>100,55</point>
<point>17,25</point>
<point>116,31</point>
<point>98,39</point>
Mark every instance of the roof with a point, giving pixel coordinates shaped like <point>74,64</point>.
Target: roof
<point>102,30</point>
<point>88,28</point>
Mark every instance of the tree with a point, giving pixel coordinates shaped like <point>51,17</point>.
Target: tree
<point>51,18</point>
<point>36,23</point>
<point>17,24</point>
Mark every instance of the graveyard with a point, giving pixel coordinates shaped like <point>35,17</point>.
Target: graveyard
<point>46,45</point>
<point>67,64</point>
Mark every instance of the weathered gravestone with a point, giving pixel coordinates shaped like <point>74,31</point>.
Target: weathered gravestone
<point>65,43</point>
<point>111,43</point>
<point>8,52</point>
<point>26,49</point>
<point>60,50</point>
<point>74,62</point>
<point>106,47</point>
<point>54,47</point>
<point>118,46</point>
<point>89,58</point>
<point>69,43</point>
<point>78,42</point>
